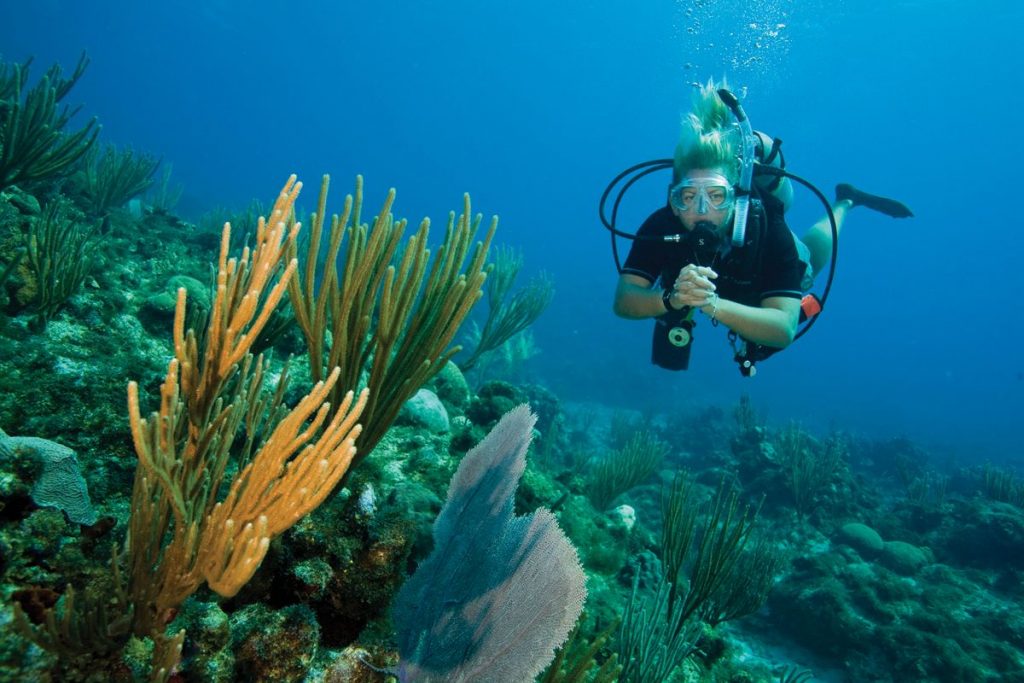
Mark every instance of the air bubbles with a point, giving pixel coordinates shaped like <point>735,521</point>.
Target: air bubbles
<point>750,37</point>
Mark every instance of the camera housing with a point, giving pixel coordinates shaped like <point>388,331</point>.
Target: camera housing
<point>673,339</point>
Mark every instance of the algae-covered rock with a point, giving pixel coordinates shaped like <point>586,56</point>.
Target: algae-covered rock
<point>819,612</point>
<point>424,410</point>
<point>312,577</point>
<point>26,204</point>
<point>545,404</point>
<point>452,389</point>
<point>158,308</point>
<point>494,400</point>
<point>209,656</point>
<point>624,516</point>
<point>350,666</point>
<point>985,534</point>
<point>274,645</point>
<point>604,543</point>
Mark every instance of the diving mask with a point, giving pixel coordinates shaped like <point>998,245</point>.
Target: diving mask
<point>703,194</point>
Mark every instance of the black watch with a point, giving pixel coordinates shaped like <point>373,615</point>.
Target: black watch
<point>666,298</point>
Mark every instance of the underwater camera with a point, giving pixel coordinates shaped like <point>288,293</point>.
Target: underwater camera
<point>673,331</point>
<point>672,340</point>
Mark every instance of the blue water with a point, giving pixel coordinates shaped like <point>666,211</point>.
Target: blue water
<point>533,107</point>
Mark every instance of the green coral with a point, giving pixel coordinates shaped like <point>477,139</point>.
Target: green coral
<point>59,256</point>
<point>507,315</point>
<point>109,179</point>
<point>862,538</point>
<point>904,558</point>
<point>33,144</point>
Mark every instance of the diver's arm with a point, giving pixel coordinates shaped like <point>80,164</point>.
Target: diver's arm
<point>635,299</point>
<point>773,323</point>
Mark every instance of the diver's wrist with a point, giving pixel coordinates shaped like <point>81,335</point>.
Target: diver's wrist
<point>668,298</point>
<point>710,309</point>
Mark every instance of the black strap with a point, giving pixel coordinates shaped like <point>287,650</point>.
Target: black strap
<point>776,151</point>
<point>767,159</point>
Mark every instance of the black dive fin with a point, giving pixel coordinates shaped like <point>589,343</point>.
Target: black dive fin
<point>890,207</point>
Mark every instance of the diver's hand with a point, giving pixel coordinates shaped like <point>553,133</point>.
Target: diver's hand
<point>694,286</point>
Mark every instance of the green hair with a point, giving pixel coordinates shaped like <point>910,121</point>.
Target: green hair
<point>708,136</point>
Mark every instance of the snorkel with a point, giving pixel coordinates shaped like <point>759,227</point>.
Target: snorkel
<point>739,230</point>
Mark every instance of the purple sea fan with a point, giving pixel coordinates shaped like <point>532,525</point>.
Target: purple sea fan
<point>499,593</point>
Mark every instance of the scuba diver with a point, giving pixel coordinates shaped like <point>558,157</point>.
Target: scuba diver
<point>721,244</point>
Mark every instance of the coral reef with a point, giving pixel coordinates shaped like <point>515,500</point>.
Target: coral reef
<point>207,538</point>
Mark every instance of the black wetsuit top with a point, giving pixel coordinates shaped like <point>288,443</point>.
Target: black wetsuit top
<point>767,265</point>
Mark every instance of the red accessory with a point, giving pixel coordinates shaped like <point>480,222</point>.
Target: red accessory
<point>810,306</point>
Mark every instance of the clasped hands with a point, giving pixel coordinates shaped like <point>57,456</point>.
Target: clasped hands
<point>694,286</point>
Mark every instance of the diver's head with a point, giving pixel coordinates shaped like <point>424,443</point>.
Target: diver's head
<point>708,136</point>
<point>703,197</point>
